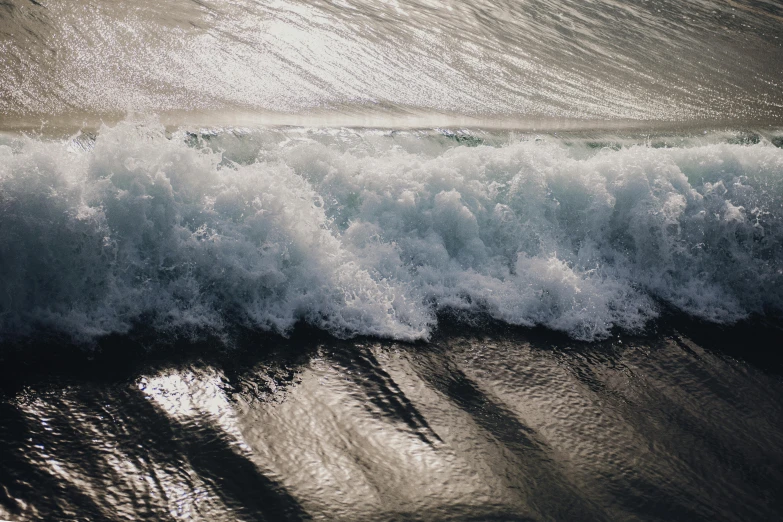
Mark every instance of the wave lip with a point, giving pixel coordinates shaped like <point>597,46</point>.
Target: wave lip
<point>374,232</point>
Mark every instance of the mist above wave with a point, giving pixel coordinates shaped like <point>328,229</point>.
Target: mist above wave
<point>370,232</point>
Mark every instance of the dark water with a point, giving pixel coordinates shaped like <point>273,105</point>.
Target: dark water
<point>481,424</point>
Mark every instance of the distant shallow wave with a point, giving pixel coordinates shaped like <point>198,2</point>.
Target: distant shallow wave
<point>437,60</point>
<point>376,232</point>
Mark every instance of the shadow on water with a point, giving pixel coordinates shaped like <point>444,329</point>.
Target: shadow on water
<point>242,487</point>
<point>381,390</point>
<point>145,435</point>
<point>529,466</point>
<point>681,442</point>
<point>91,397</point>
<point>117,357</point>
<point>707,419</point>
<point>141,433</point>
<point>120,358</point>
<point>20,478</point>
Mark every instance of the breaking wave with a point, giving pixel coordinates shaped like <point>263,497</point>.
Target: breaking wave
<point>376,232</point>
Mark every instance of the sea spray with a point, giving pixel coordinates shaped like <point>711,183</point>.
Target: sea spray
<point>375,232</point>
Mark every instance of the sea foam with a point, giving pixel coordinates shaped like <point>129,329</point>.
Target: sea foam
<point>374,233</point>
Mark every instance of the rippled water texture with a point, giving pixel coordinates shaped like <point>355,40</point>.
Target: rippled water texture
<point>185,183</point>
<point>419,62</point>
<point>476,427</point>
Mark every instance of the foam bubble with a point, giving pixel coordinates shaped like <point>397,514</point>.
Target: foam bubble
<point>374,233</point>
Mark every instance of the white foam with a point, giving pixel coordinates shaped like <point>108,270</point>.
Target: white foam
<point>374,233</point>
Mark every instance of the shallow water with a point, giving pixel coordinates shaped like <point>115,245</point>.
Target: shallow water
<point>510,425</point>
<point>419,63</point>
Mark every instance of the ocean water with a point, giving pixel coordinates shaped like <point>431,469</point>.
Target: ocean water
<point>474,425</point>
<point>565,63</point>
<point>391,260</point>
<point>372,232</point>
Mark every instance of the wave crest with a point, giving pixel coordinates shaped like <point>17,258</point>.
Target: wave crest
<point>374,233</point>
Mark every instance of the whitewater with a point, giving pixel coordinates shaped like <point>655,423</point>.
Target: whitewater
<point>366,167</point>
<point>377,232</point>
<point>391,260</point>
